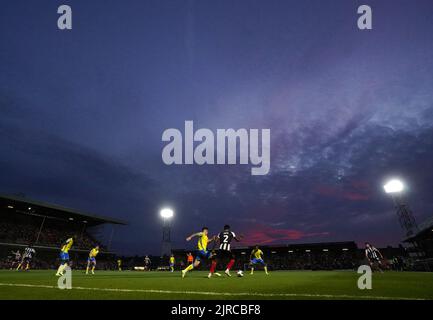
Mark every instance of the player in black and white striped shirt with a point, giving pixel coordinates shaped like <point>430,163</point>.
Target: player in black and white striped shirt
<point>373,256</point>
<point>27,258</point>
<point>225,238</point>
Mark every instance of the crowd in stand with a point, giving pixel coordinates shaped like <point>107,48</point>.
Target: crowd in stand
<point>28,233</point>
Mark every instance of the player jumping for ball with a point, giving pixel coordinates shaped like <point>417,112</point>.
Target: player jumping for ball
<point>91,260</point>
<point>373,256</point>
<point>202,252</point>
<point>64,256</point>
<point>256,257</point>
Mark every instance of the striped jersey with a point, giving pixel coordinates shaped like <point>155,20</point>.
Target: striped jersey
<point>28,252</point>
<point>372,253</point>
<point>225,239</point>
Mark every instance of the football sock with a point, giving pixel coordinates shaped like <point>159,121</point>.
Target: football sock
<point>230,264</point>
<point>190,267</point>
<point>213,266</point>
<point>61,268</point>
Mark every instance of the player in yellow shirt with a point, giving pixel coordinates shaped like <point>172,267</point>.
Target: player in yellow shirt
<point>91,260</point>
<point>119,265</point>
<point>202,252</point>
<point>257,258</point>
<point>172,261</point>
<point>64,256</point>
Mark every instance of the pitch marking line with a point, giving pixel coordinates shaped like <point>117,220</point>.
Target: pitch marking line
<point>210,293</point>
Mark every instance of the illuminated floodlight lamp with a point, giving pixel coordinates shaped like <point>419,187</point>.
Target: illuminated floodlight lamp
<point>166,213</point>
<point>393,186</point>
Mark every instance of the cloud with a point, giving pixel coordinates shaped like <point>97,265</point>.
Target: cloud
<point>262,235</point>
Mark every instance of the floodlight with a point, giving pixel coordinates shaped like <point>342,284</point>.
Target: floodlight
<point>166,213</point>
<point>393,186</point>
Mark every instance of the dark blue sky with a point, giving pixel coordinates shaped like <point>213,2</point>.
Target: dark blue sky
<point>83,111</point>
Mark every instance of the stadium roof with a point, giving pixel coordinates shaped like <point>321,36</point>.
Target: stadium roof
<point>349,245</point>
<point>22,205</point>
<point>425,230</point>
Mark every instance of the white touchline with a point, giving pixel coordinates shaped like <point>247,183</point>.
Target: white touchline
<point>210,293</point>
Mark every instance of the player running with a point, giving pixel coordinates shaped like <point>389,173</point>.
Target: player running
<point>172,262</point>
<point>202,252</point>
<point>373,256</point>
<point>224,238</point>
<point>256,257</point>
<point>64,256</point>
<point>91,260</point>
<point>27,258</point>
<point>16,260</point>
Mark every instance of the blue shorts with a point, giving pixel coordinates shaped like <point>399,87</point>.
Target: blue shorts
<point>258,261</point>
<point>64,256</point>
<point>91,259</point>
<point>171,264</point>
<point>202,254</point>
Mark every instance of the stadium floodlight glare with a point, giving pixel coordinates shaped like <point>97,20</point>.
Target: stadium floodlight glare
<point>393,186</point>
<point>166,213</point>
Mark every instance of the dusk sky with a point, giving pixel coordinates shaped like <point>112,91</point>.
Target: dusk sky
<point>82,113</point>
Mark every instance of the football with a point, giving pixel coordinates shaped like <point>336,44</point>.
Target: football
<point>240,273</point>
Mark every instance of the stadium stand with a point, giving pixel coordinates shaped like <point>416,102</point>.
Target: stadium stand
<point>45,226</point>
<point>422,246</point>
<point>311,256</point>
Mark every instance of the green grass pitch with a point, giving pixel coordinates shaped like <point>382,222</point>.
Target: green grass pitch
<point>42,284</point>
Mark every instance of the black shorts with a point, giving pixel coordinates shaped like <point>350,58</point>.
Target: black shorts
<point>27,259</point>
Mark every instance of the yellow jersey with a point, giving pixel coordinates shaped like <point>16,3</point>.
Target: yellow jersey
<point>93,253</point>
<point>67,246</point>
<point>172,260</point>
<point>257,253</point>
<point>202,241</point>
